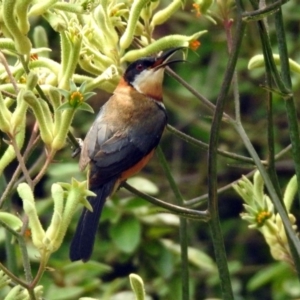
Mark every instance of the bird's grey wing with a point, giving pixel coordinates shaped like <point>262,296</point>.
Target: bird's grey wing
<point>126,148</point>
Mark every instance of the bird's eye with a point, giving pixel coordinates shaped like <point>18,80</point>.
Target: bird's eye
<point>139,67</point>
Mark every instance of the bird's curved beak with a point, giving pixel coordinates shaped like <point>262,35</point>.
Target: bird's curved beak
<point>163,59</point>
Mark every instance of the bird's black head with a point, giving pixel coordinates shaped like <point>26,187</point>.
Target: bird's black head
<point>149,68</point>
<point>137,67</point>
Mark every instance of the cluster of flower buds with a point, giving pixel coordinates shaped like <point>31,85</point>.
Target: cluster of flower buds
<point>261,216</point>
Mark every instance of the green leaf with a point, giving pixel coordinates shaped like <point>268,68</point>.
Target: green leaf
<point>88,95</point>
<point>86,107</point>
<point>266,275</point>
<point>11,220</point>
<point>195,256</point>
<point>65,93</point>
<point>143,185</point>
<point>126,234</point>
<point>64,106</point>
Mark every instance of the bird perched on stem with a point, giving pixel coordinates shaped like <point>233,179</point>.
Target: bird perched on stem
<point>121,141</point>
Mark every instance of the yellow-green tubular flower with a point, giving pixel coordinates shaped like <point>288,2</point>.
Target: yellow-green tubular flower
<point>5,116</point>
<point>40,39</point>
<point>164,43</point>
<point>41,7</point>
<point>290,192</point>
<point>7,44</point>
<point>76,193</point>
<point>258,61</point>
<point>22,43</point>
<point>21,10</point>
<point>10,153</point>
<point>18,119</point>
<point>74,37</point>
<point>56,22</point>
<point>38,110</point>
<point>107,81</point>
<point>204,5</point>
<point>37,231</point>
<point>163,15</point>
<point>66,120</point>
<point>137,286</point>
<point>4,279</point>
<point>110,35</point>
<point>52,231</point>
<point>11,221</point>
<point>45,63</point>
<point>32,80</point>
<point>55,99</point>
<point>17,293</point>
<point>134,15</point>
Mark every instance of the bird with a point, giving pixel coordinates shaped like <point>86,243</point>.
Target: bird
<point>121,141</point>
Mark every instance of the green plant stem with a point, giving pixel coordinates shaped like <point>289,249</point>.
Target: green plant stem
<point>189,139</point>
<point>14,278</point>
<point>291,115</point>
<point>71,137</point>
<point>10,251</point>
<point>181,211</point>
<point>289,101</point>
<point>263,12</point>
<point>277,203</point>
<point>9,74</point>
<point>203,99</point>
<point>34,138</point>
<point>215,227</point>
<point>26,262</point>
<point>201,199</point>
<point>270,133</point>
<point>182,229</point>
<point>284,85</point>
<point>25,259</point>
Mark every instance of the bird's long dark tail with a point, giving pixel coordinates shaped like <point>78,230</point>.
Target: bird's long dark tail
<point>83,240</point>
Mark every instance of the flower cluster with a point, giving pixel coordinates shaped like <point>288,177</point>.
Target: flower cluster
<point>261,215</point>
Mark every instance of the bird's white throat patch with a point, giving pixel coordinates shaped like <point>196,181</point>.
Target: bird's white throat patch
<point>149,82</point>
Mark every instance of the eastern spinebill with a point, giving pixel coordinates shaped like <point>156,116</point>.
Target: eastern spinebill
<point>121,141</point>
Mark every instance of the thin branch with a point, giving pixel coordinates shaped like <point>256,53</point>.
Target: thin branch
<point>181,211</point>
<point>7,69</point>
<point>21,161</point>
<point>200,200</point>
<point>29,148</point>
<point>203,99</point>
<point>183,226</point>
<point>189,139</point>
<point>215,227</point>
<point>261,13</point>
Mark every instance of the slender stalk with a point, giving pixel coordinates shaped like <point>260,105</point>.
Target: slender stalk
<point>10,251</point>
<point>29,148</point>
<point>215,227</point>
<point>181,211</point>
<point>203,99</point>
<point>71,138</point>
<point>289,102</point>
<point>284,85</point>
<point>14,278</point>
<point>182,229</point>
<point>204,146</point>
<point>270,132</point>
<point>263,12</point>
<point>201,199</point>
<point>291,114</point>
<point>26,263</point>
<point>21,161</point>
<point>272,192</point>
